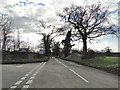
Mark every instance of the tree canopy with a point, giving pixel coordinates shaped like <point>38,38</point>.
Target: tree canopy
<point>89,22</point>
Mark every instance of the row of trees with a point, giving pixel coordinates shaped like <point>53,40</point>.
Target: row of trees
<point>89,22</point>
<point>81,23</point>
<point>5,27</point>
<point>8,40</point>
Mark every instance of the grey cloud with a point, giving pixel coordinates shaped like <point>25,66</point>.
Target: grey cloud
<point>48,12</point>
<point>23,22</point>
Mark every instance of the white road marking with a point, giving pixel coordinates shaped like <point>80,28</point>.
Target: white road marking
<point>34,74</point>
<point>30,72</point>
<point>29,82</point>
<point>32,77</point>
<point>74,71</point>
<point>41,67</point>
<point>18,82</point>
<point>26,86</point>
<point>64,65</point>
<point>36,67</point>
<point>78,75</point>
<point>26,75</point>
<point>13,86</point>
<point>23,78</point>
<point>61,63</point>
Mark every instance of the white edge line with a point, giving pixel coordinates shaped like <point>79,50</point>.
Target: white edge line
<point>78,75</point>
<point>62,64</point>
<point>73,72</point>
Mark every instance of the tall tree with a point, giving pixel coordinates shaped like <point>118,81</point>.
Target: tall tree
<point>49,33</point>
<point>47,40</point>
<point>67,44</point>
<point>5,26</point>
<point>56,49</point>
<point>90,21</point>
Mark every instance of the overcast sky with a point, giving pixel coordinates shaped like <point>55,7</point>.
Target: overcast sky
<point>26,13</point>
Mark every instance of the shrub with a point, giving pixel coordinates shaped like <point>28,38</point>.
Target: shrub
<point>90,54</point>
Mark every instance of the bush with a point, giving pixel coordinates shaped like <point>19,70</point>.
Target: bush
<point>90,54</point>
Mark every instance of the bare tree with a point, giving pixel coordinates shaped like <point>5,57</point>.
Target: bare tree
<point>56,49</point>
<point>49,33</point>
<point>90,21</point>
<point>5,26</point>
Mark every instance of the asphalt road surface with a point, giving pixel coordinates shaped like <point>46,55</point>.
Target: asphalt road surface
<point>55,73</point>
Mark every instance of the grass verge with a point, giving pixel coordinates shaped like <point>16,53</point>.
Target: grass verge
<point>24,61</point>
<point>109,64</point>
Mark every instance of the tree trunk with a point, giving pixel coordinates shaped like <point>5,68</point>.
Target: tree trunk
<point>84,46</point>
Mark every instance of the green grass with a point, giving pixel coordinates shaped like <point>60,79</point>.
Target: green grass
<point>112,58</point>
<point>98,62</point>
<point>22,61</point>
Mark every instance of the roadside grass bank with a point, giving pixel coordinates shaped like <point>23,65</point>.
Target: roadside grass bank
<point>24,61</point>
<point>106,63</point>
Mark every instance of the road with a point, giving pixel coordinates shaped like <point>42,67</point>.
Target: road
<point>56,73</point>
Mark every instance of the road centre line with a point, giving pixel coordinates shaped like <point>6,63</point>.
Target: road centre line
<point>33,76</point>
<point>23,78</point>
<point>26,75</point>
<point>36,67</point>
<point>41,67</point>
<point>29,82</point>
<point>13,86</point>
<point>18,82</point>
<point>36,72</point>
<point>26,86</point>
<point>29,72</point>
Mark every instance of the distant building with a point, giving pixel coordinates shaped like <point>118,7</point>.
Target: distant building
<point>41,51</point>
